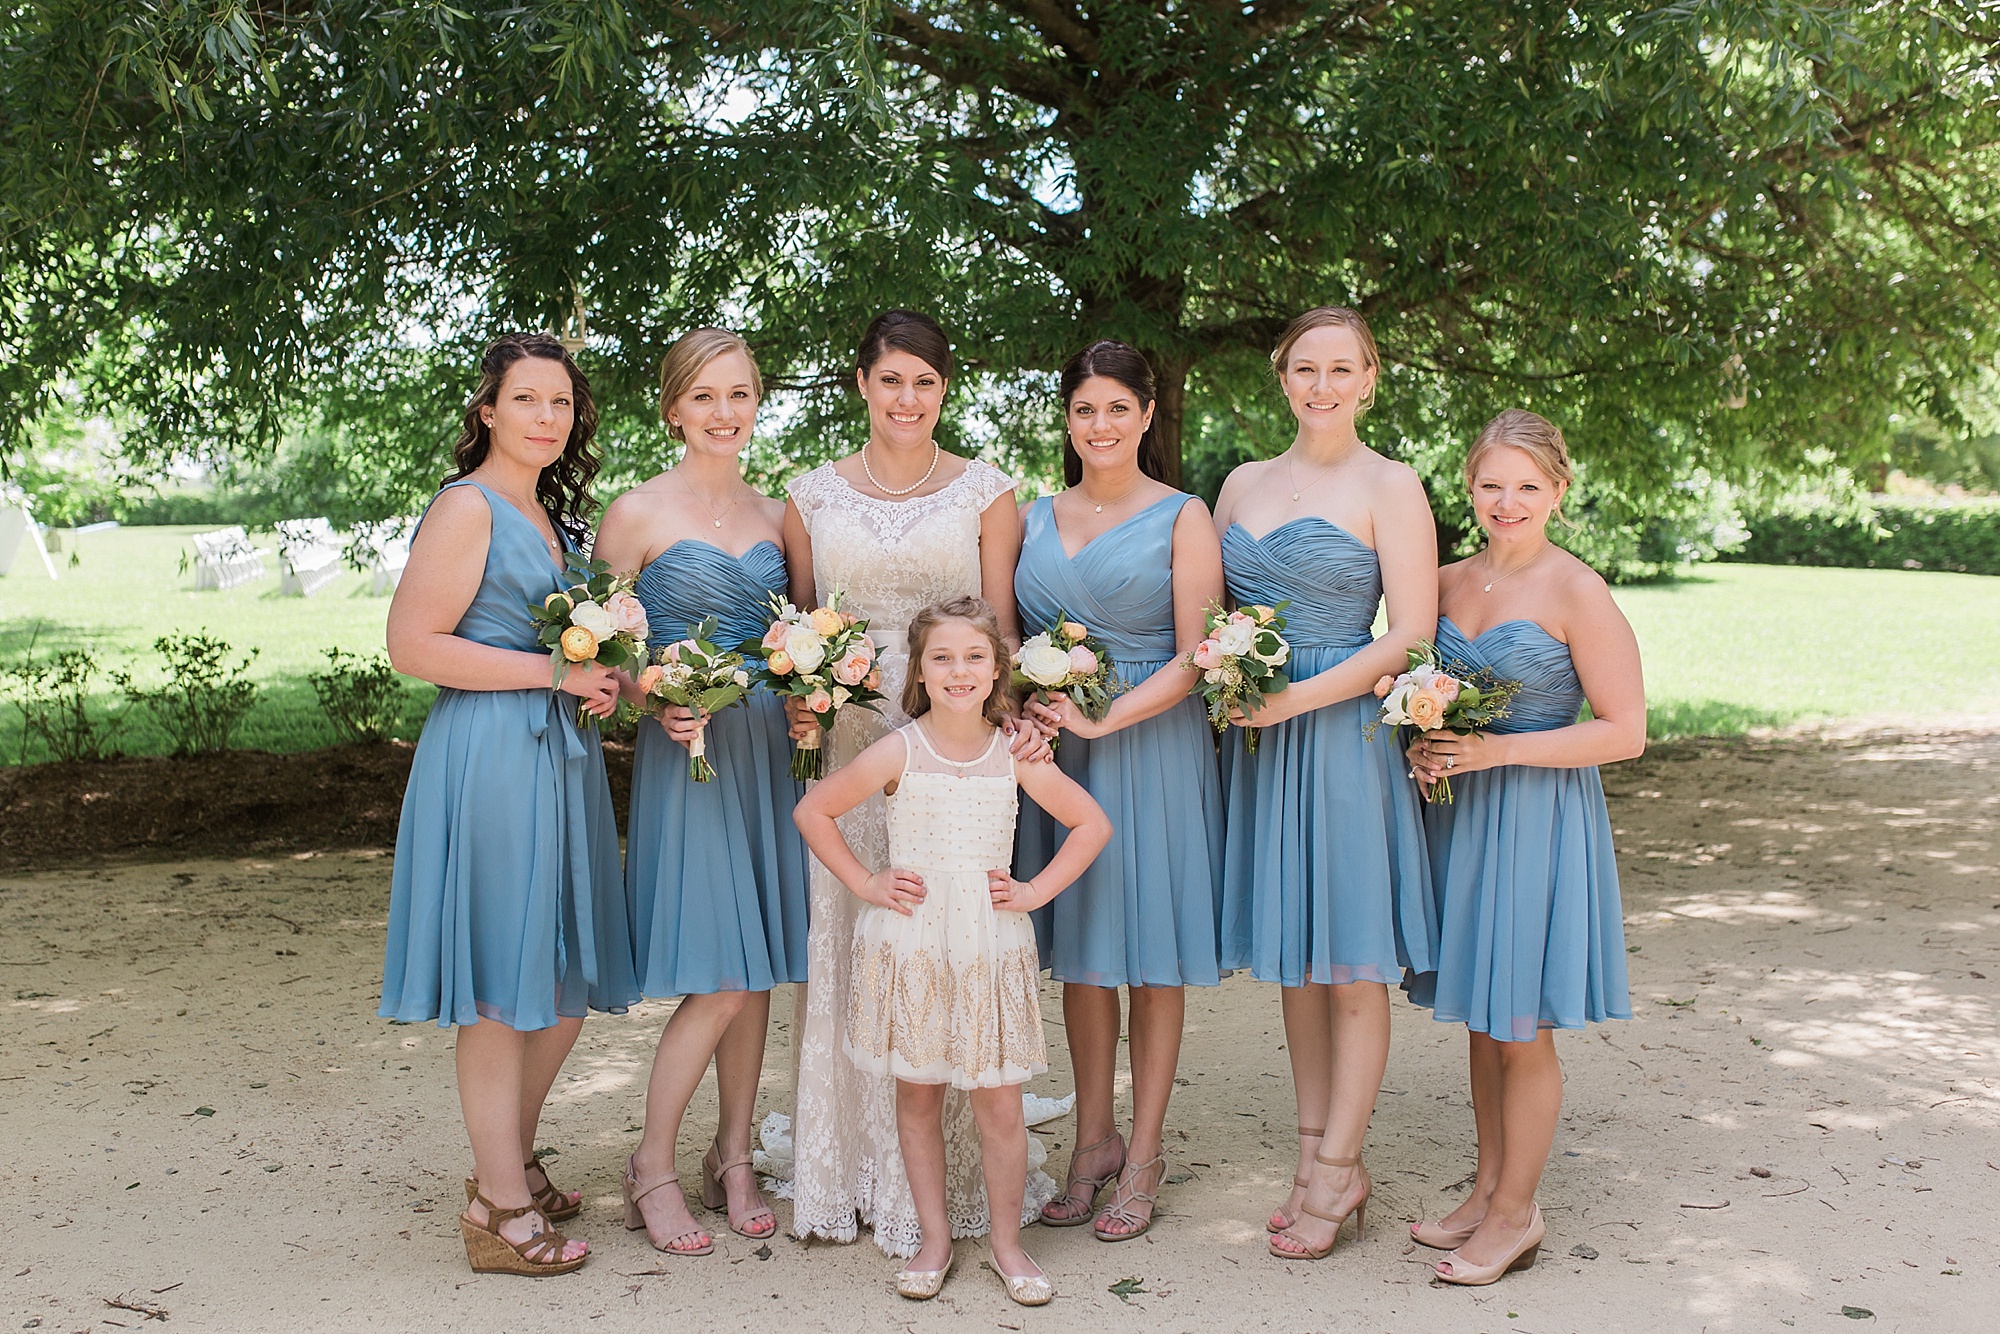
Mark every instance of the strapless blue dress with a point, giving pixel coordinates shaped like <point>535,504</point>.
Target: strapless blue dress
<point>1527,879</point>
<point>1325,876</point>
<point>1146,911</point>
<point>715,872</point>
<point>506,901</point>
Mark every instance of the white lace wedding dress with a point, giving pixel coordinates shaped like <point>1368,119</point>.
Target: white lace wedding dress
<point>887,559</point>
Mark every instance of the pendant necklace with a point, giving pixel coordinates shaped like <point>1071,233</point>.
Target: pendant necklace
<point>713,513</point>
<point>1115,499</point>
<point>1488,586</point>
<point>554,546</point>
<point>1292,472</point>
<point>936,454</point>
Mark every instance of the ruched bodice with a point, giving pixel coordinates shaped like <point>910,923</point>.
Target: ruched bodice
<point>1121,585</point>
<point>1331,577</point>
<point>692,580</point>
<point>519,571</point>
<point>1520,650</point>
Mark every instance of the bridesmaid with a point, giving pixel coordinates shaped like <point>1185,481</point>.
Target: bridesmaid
<point>1137,562</point>
<point>715,873</point>
<point>505,913</point>
<point>1532,939</point>
<point>1326,890</point>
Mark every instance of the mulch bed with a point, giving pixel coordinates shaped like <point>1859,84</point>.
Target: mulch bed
<point>237,803</point>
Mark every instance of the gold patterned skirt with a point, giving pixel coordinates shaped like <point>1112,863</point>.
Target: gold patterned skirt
<point>947,995</point>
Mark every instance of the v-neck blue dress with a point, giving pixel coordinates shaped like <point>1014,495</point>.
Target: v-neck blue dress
<point>1146,911</point>
<point>1325,876</point>
<point>506,902</point>
<point>1527,879</point>
<point>715,872</point>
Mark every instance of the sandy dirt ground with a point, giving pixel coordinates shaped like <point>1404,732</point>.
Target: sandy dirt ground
<point>1800,1128</point>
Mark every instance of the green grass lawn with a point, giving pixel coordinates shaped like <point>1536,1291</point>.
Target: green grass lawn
<point>127,589</point>
<point>1730,648</point>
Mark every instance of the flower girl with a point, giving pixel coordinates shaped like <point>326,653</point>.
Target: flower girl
<point>944,964</point>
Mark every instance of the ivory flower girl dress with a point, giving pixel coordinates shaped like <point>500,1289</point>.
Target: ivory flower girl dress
<point>947,994</point>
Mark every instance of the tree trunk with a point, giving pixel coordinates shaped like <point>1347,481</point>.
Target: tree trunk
<point>1169,410</point>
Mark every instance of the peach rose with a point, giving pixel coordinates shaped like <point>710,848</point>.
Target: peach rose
<point>649,680</point>
<point>1082,661</point>
<point>1448,686</point>
<point>557,602</point>
<point>628,614</point>
<point>873,681</point>
<point>774,638</point>
<point>850,669</point>
<point>1426,709</point>
<point>819,701</point>
<point>1071,630</point>
<point>780,663</point>
<point>1261,613</point>
<point>578,644</point>
<point>826,621</point>
<point>1208,654</point>
<point>1384,686</point>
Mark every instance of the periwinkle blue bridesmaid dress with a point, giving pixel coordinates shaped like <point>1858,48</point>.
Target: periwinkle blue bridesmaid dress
<point>1527,879</point>
<point>1325,877</point>
<point>506,901</point>
<point>715,872</point>
<point>1145,913</point>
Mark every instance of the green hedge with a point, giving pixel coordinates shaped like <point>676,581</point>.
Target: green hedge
<point>1887,534</point>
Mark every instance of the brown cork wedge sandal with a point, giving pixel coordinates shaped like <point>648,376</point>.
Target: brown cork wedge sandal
<point>556,1206</point>
<point>540,1256</point>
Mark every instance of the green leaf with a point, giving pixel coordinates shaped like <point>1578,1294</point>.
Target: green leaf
<point>1857,1313</point>
<point>1125,1289</point>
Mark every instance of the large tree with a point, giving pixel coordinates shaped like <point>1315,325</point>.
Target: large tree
<point>1703,235</point>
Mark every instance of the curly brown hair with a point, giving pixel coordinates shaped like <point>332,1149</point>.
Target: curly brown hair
<point>977,613</point>
<point>564,486</point>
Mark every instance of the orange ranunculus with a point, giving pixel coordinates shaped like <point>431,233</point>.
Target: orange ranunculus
<point>1426,709</point>
<point>780,663</point>
<point>578,644</point>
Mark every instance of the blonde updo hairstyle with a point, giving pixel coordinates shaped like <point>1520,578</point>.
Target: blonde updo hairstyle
<point>684,361</point>
<point>976,613</point>
<point>1330,317</point>
<point>1532,434</point>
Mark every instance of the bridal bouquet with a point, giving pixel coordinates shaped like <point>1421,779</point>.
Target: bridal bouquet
<point>1431,699</point>
<point>1065,660</point>
<point>595,619</point>
<point>695,674</point>
<point>822,658</point>
<point>1240,662</point>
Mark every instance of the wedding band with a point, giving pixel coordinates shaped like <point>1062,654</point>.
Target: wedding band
<point>1451,761</point>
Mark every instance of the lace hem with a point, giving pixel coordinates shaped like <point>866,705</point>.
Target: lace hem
<point>917,1017</point>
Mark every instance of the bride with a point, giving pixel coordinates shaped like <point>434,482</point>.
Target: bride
<point>892,529</point>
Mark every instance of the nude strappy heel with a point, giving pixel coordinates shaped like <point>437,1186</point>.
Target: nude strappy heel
<point>1127,1195</point>
<point>1272,1224</point>
<point>635,1218</point>
<point>1081,1205</point>
<point>715,1196</point>
<point>540,1256</point>
<point>1308,1251</point>
<point>554,1205</point>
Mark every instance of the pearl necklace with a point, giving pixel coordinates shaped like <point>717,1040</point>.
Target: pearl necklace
<point>936,454</point>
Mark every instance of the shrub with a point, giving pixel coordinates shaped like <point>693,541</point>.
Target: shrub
<point>361,695</point>
<point>1889,533</point>
<point>53,698</point>
<point>203,699</point>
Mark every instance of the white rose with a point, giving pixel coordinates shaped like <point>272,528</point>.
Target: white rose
<point>1215,676</point>
<point>594,619</point>
<point>841,694</point>
<point>1236,638</point>
<point>806,648</point>
<point>1278,656</point>
<point>1395,706</point>
<point>678,673</point>
<point>1423,675</point>
<point>741,678</point>
<point>1043,662</point>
